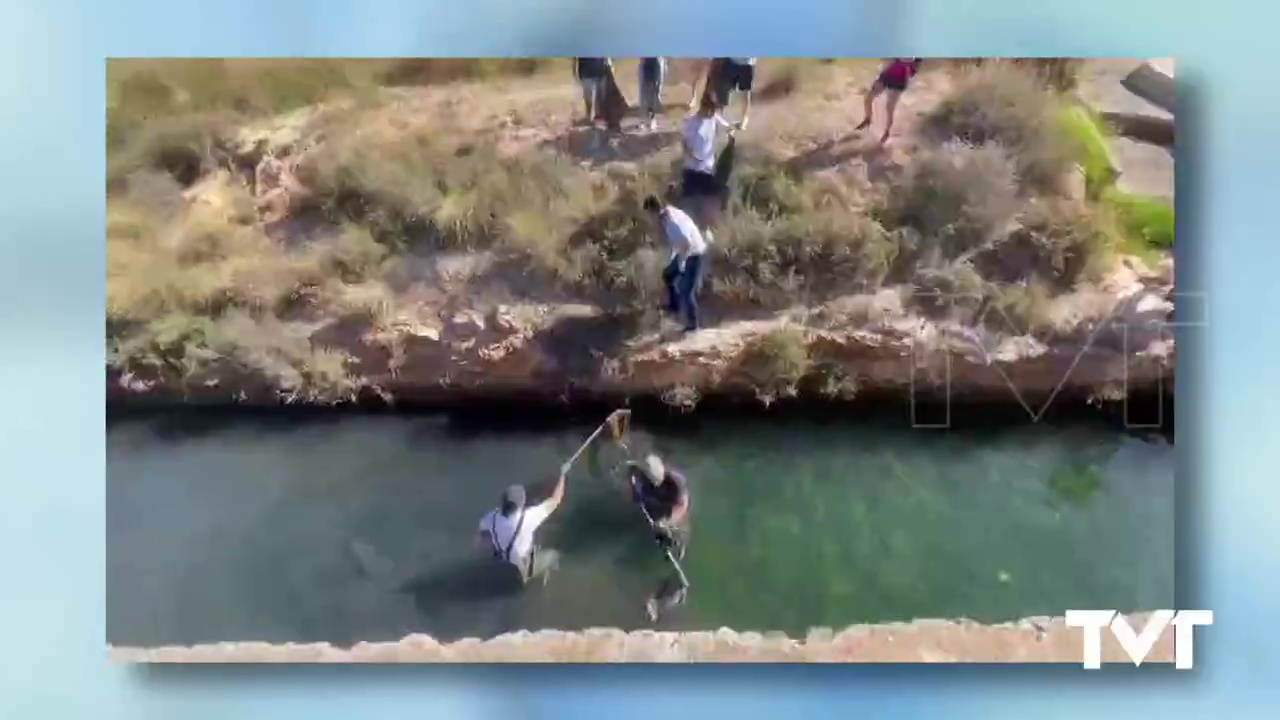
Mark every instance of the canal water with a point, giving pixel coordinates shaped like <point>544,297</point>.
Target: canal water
<point>361,528</point>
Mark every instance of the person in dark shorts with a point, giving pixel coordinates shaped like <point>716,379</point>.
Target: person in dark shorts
<point>591,74</point>
<point>892,82</point>
<point>653,71</point>
<point>720,78</point>
<point>735,75</point>
<point>700,187</point>
<point>663,492</point>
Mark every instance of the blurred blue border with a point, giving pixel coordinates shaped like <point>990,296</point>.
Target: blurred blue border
<point>51,434</point>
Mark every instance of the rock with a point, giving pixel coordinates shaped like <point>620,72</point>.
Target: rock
<point>1153,81</point>
<point>416,329</point>
<point>1031,640</point>
<point>133,383</point>
<point>466,324</point>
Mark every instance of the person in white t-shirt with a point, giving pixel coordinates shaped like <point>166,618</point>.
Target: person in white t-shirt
<point>509,530</point>
<point>698,183</point>
<point>684,272</point>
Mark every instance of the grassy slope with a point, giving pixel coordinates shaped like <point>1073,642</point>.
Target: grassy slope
<point>195,289</point>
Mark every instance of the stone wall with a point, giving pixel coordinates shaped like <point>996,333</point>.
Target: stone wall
<point>1030,640</point>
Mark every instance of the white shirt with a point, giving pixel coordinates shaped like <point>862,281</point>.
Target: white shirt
<point>501,528</point>
<point>682,233</point>
<point>699,135</point>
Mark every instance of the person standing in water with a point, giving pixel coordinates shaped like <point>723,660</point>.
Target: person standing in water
<point>509,530</point>
<point>653,71</point>
<point>663,492</point>
<point>892,82</point>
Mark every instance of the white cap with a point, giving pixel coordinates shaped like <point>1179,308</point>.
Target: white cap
<point>654,468</point>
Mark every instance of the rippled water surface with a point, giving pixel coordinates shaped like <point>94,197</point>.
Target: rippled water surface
<point>361,528</point>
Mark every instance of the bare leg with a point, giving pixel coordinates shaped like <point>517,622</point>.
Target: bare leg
<point>890,105</point>
<point>710,214</point>
<point>699,80</point>
<point>867,103</point>
<point>746,107</point>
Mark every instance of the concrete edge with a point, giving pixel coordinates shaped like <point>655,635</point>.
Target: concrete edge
<point>1031,640</point>
<point>1153,81</point>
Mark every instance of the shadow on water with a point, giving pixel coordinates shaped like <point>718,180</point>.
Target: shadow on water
<point>464,587</point>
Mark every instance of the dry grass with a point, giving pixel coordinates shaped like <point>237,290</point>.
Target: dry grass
<point>978,217</point>
<point>205,292</point>
<point>1003,103</point>
<point>167,113</point>
<point>415,191</point>
<point>957,199</point>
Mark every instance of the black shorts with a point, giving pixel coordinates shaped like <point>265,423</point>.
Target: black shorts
<point>738,77</point>
<point>699,184</point>
<point>897,84</point>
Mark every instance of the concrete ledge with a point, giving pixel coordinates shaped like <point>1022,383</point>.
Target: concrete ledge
<point>1032,640</point>
<point>1153,81</point>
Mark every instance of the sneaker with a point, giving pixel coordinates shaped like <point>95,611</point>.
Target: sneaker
<point>653,124</point>
<point>708,236</point>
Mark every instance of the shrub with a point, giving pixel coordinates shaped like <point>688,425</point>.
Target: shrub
<point>1146,224</point>
<point>952,291</point>
<point>801,258</point>
<point>1088,140</point>
<point>1058,244</point>
<point>1004,103</point>
<point>959,199</point>
<point>765,187</point>
<point>412,190</point>
<point>832,381</point>
<point>776,362</point>
<point>1019,308</point>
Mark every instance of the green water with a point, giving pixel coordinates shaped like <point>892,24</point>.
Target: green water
<point>361,528</point>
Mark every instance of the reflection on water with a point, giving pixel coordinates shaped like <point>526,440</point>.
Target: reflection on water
<point>362,528</point>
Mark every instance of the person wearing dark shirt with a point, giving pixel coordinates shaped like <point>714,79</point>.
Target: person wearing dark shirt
<point>892,82</point>
<point>591,74</point>
<point>663,492</point>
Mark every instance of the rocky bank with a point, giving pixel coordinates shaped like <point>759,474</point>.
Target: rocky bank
<point>460,330</point>
<point>859,345</point>
<point>1031,640</point>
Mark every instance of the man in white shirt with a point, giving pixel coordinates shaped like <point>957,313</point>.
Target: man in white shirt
<point>683,274</point>
<point>509,531</point>
<point>699,184</point>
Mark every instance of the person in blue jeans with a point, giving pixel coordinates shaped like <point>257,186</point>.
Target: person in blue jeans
<point>684,272</point>
<point>653,71</point>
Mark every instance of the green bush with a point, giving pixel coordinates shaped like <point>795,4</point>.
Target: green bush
<point>1088,138</point>
<point>1146,224</point>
